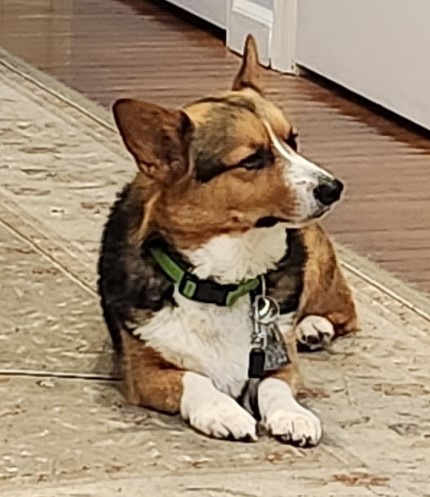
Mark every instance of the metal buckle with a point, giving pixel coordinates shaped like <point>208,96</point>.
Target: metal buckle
<point>204,291</point>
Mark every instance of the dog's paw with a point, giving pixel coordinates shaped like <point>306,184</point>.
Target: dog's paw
<point>296,426</point>
<point>214,413</point>
<point>284,417</point>
<point>314,332</point>
<point>224,419</point>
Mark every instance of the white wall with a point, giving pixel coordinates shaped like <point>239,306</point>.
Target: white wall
<point>377,48</point>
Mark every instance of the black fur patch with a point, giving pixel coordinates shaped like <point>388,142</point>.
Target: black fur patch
<point>267,222</point>
<point>285,283</point>
<point>131,285</point>
<point>208,166</point>
<point>292,141</point>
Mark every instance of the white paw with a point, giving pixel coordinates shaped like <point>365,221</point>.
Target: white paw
<point>299,427</point>
<point>284,417</point>
<point>214,413</point>
<point>224,418</point>
<point>315,332</point>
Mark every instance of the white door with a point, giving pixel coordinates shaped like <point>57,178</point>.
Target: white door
<point>213,11</point>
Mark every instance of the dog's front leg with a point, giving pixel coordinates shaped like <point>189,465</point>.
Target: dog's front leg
<point>154,383</point>
<point>214,413</point>
<point>281,414</point>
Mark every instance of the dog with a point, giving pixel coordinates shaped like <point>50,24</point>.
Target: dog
<point>223,210</point>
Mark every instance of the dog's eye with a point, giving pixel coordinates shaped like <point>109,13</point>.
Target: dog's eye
<point>258,160</point>
<point>291,140</point>
<point>254,161</point>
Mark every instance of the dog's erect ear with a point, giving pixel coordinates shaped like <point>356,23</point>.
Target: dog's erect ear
<point>249,72</point>
<point>158,138</point>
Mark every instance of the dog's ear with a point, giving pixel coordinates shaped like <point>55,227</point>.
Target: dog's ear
<point>157,138</point>
<point>249,72</point>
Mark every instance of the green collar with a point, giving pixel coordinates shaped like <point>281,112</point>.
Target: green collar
<point>193,288</point>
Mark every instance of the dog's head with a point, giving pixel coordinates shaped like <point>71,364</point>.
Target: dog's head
<point>223,164</point>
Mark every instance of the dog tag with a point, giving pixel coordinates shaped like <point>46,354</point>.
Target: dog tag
<point>257,358</point>
<point>276,350</point>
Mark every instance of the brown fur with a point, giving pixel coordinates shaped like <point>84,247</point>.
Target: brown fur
<point>189,215</point>
<point>157,138</point>
<point>249,74</point>
<point>150,381</point>
<point>325,292</point>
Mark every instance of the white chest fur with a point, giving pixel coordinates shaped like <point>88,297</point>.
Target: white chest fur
<point>231,259</point>
<point>211,340</point>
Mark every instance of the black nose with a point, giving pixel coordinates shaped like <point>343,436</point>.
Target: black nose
<point>328,192</point>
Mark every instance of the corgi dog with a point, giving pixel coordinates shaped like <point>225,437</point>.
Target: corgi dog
<point>223,213</point>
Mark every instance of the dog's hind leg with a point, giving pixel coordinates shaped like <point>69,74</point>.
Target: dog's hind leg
<point>326,309</point>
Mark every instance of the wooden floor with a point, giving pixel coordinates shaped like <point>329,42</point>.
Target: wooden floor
<point>115,48</point>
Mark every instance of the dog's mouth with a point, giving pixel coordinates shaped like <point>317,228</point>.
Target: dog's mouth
<point>270,221</point>
<point>320,212</point>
